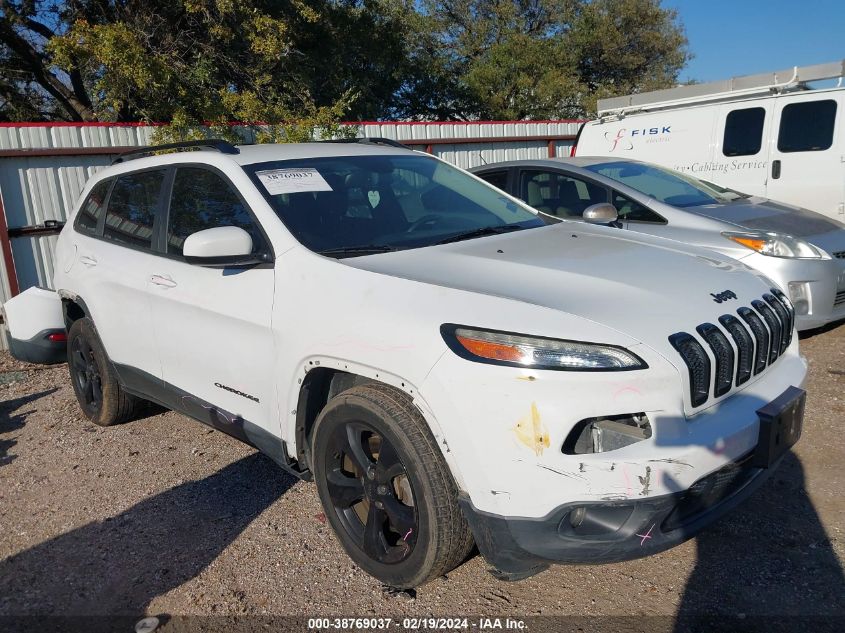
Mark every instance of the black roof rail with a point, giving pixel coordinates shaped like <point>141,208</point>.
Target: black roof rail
<point>224,147</point>
<point>370,140</point>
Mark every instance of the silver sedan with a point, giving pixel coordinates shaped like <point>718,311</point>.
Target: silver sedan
<point>803,252</point>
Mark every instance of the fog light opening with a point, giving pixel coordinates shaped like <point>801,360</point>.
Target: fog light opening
<point>799,294</point>
<point>576,517</point>
<point>600,435</point>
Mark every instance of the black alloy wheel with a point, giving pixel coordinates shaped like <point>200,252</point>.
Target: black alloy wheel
<point>371,492</point>
<point>86,375</point>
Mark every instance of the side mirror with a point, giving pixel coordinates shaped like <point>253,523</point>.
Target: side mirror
<point>601,213</point>
<point>220,247</point>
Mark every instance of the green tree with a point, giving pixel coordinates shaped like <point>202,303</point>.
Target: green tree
<point>517,59</point>
<point>186,62</point>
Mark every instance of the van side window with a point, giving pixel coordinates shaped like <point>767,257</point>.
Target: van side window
<point>743,132</point>
<point>93,208</point>
<point>558,195</point>
<point>807,126</point>
<point>133,205</point>
<point>203,200</point>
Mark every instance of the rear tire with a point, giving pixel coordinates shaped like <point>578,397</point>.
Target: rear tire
<point>386,489</point>
<point>100,396</point>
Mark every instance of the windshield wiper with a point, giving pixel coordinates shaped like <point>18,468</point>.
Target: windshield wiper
<point>487,230</point>
<point>363,249</point>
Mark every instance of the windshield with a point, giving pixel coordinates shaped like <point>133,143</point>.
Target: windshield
<point>664,185</point>
<point>357,205</point>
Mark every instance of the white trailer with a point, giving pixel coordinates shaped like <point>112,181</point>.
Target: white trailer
<point>769,135</point>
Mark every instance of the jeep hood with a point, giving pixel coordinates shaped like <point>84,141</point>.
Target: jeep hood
<point>642,286</point>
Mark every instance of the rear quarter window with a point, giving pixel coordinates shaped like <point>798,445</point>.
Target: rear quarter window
<point>88,218</point>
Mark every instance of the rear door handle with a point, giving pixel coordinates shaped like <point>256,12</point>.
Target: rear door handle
<point>775,169</point>
<point>163,280</point>
<point>87,260</point>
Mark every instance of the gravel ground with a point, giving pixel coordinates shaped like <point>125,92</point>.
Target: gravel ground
<point>164,516</point>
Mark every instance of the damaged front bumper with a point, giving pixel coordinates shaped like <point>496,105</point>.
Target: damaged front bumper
<point>610,531</point>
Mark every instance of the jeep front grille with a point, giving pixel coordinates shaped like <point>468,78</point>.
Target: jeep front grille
<point>761,338</point>
<point>761,334</point>
<point>724,354</point>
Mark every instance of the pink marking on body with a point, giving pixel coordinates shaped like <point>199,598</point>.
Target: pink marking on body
<point>647,535</point>
<point>626,389</point>
<point>405,538</point>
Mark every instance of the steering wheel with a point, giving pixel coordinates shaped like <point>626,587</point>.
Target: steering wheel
<point>429,218</point>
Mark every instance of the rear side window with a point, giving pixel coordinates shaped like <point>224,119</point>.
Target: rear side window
<point>498,179</point>
<point>203,200</point>
<point>93,208</point>
<point>559,195</point>
<point>807,126</point>
<point>743,132</point>
<point>132,209</point>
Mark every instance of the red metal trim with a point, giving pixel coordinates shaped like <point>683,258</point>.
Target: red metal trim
<point>428,143</point>
<point>158,123</point>
<point>547,138</point>
<point>65,151</point>
<point>77,124</point>
<point>8,257</point>
<point>506,122</point>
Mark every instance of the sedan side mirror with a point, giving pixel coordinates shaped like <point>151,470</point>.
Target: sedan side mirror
<point>601,213</point>
<point>221,246</point>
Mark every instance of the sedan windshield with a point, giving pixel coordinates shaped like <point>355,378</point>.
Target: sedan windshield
<point>664,185</point>
<point>343,206</point>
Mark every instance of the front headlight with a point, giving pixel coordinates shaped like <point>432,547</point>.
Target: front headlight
<point>775,244</point>
<point>519,350</point>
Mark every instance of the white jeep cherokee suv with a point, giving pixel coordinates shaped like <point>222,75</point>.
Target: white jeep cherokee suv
<point>449,368</point>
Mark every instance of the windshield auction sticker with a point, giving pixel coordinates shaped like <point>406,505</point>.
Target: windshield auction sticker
<point>300,180</point>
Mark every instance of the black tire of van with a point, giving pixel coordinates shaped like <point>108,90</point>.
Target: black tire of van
<point>402,464</point>
<point>102,400</point>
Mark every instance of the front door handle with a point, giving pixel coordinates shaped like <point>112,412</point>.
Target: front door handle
<point>87,260</point>
<point>775,169</point>
<point>163,280</point>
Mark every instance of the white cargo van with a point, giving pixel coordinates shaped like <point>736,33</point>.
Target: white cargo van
<point>767,135</point>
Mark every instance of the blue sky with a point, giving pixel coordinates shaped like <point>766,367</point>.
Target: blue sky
<point>744,37</point>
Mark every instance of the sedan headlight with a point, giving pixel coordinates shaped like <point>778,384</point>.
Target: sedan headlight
<point>519,350</point>
<point>775,244</point>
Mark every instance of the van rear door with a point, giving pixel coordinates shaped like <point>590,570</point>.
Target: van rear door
<point>807,153</point>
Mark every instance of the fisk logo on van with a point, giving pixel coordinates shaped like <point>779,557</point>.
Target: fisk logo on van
<point>623,139</point>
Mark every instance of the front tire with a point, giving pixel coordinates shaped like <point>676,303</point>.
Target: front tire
<point>101,398</point>
<point>386,489</point>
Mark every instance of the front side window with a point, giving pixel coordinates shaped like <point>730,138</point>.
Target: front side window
<point>632,211</point>
<point>559,195</point>
<point>133,205</point>
<point>807,126</point>
<point>201,199</point>
<point>670,187</point>
<point>743,132</point>
<point>346,205</point>
<point>93,208</point>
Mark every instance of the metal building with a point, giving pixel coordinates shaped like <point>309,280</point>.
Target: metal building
<point>44,167</point>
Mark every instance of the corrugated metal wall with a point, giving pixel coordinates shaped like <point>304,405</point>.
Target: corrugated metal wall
<point>34,189</point>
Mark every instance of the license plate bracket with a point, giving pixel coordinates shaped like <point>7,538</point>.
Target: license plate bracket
<point>781,422</point>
